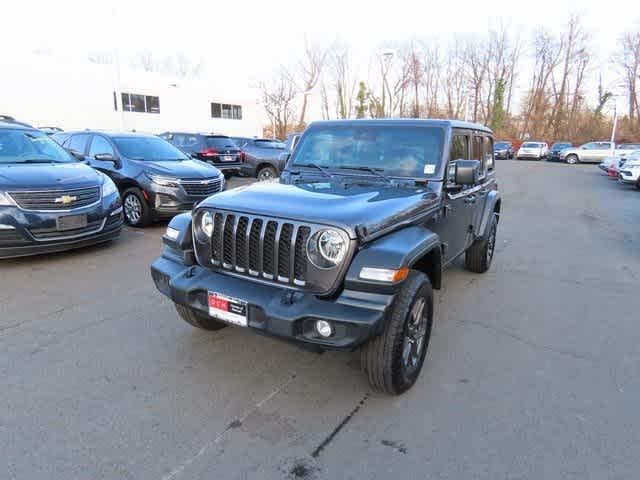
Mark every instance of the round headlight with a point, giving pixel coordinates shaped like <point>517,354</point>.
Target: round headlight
<point>331,246</point>
<point>206,223</point>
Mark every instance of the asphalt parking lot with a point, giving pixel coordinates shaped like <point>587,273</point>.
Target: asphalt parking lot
<point>533,369</point>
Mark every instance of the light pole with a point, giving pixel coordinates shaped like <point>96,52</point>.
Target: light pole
<point>387,56</point>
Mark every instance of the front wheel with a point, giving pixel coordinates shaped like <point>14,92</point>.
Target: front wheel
<point>572,159</point>
<point>197,319</point>
<point>137,212</point>
<point>393,360</point>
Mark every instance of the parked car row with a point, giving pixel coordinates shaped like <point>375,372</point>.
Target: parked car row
<point>563,151</point>
<point>626,169</point>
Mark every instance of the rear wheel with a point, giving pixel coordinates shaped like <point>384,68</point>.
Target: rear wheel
<point>137,212</point>
<point>197,319</point>
<point>572,159</point>
<point>393,360</point>
<point>478,256</point>
<point>266,173</point>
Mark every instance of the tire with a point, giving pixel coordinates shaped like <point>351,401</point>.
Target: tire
<point>199,320</point>
<point>392,362</point>
<point>266,173</point>
<point>479,255</point>
<point>638,184</point>
<point>137,212</point>
<point>572,159</point>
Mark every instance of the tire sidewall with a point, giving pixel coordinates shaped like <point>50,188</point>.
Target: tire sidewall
<point>572,159</point>
<point>144,208</point>
<point>403,379</point>
<point>271,171</point>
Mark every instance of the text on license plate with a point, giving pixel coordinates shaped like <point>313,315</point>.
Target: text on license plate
<point>71,222</point>
<point>227,158</point>
<point>229,309</point>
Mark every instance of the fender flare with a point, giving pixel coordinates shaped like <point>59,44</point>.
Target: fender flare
<point>492,204</point>
<point>181,223</point>
<point>402,248</point>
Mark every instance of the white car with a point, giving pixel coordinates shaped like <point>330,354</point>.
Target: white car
<point>630,170</point>
<point>533,150</point>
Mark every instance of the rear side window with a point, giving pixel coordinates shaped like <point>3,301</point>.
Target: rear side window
<point>269,144</point>
<point>78,143</point>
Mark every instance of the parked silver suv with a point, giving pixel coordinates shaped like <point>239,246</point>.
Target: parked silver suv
<point>592,152</point>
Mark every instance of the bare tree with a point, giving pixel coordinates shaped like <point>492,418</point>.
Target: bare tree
<point>311,69</point>
<point>278,100</point>
<point>627,58</point>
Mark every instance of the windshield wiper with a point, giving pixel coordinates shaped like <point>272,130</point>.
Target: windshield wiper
<point>317,167</point>
<point>375,171</point>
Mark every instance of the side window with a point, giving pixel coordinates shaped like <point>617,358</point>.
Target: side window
<point>477,153</point>
<point>177,140</point>
<point>459,151</point>
<point>190,141</point>
<point>78,143</point>
<point>488,153</point>
<point>100,145</point>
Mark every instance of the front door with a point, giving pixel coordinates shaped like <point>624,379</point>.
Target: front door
<point>454,224</point>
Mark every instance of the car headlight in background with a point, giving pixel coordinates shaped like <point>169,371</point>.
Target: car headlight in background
<point>108,187</point>
<point>327,248</point>
<point>163,181</point>
<point>6,200</point>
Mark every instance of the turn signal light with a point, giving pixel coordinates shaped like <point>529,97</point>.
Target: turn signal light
<point>384,274</point>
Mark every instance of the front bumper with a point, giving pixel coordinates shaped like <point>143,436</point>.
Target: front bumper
<point>626,176</point>
<point>166,202</point>
<point>25,233</point>
<point>529,156</point>
<point>356,316</point>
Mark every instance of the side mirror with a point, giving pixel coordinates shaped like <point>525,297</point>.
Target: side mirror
<point>104,157</point>
<point>76,155</point>
<point>467,172</point>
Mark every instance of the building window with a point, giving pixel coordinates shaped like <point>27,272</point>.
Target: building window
<point>225,110</point>
<point>135,102</point>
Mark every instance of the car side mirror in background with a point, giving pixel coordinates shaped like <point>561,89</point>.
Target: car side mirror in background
<point>104,157</point>
<point>467,172</point>
<point>76,155</point>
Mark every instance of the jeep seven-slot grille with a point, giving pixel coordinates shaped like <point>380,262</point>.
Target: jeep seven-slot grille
<point>275,250</point>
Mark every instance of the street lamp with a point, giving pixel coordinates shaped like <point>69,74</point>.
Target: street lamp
<point>387,56</point>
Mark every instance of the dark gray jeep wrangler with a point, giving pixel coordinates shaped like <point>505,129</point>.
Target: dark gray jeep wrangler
<point>342,252</point>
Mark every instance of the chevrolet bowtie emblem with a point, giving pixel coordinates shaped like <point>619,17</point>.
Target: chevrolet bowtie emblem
<point>66,199</point>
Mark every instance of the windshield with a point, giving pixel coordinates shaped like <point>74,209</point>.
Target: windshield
<point>531,145</point>
<point>26,146</point>
<point>628,146</point>
<point>148,148</point>
<point>399,151</point>
<point>561,145</point>
<point>220,142</point>
<point>500,145</point>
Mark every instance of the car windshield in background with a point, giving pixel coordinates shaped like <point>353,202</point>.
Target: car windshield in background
<point>20,146</point>
<point>270,144</point>
<point>501,145</point>
<point>148,148</point>
<point>629,146</point>
<point>558,146</point>
<point>531,145</point>
<point>399,151</point>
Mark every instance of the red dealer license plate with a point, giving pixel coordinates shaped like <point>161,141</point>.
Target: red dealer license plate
<point>229,309</point>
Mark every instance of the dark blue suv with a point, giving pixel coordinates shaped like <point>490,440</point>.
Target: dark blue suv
<point>155,179</point>
<point>49,201</point>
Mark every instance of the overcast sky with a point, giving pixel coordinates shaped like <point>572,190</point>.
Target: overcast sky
<point>247,39</point>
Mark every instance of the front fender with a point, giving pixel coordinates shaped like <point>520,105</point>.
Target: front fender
<point>492,204</point>
<point>402,248</point>
<point>181,247</point>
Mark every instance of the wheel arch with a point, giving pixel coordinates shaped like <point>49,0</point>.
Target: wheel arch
<point>415,247</point>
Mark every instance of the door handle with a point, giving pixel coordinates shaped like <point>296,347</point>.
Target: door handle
<point>470,199</point>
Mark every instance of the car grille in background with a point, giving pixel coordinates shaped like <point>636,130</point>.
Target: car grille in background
<point>272,249</point>
<point>201,187</point>
<point>52,233</point>
<point>57,199</point>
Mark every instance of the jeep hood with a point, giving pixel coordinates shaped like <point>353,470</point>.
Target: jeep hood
<point>369,206</point>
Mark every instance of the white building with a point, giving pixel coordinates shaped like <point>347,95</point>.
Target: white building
<point>45,91</point>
